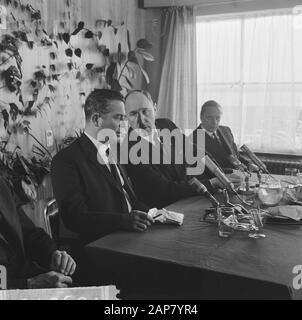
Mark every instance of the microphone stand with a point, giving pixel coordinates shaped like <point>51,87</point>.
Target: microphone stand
<point>227,201</point>
<point>247,203</point>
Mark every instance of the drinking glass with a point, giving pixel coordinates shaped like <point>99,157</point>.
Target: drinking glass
<point>292,172</point>
<point>270,192</point>
<point>225,222</point>
<point>257,222</point>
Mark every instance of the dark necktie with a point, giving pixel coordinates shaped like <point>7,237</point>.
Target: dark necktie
<point>216,138</point>
<point>117,178</point>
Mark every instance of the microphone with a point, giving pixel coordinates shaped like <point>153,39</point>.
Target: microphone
<point>202,189</point>
<point>238,164</point>
<point>219,174</point>
<point>254,159</point>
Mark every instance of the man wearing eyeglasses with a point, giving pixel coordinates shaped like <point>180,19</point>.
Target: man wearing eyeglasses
<point>157,184</point>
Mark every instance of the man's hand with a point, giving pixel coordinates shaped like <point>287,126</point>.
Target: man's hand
<point>137,221</point>
<point>235,178</point>
<point>63,263</point>
<point>253,167</point>
<point>49,280</point>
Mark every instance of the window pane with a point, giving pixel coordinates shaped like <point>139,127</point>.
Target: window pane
<point>298,54</point>
<point>252,66</point>
<point>218,60</point>
<point>267,49</point>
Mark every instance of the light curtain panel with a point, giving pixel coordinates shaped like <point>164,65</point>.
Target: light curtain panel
<point>251,64</point>
<point>222,6</point>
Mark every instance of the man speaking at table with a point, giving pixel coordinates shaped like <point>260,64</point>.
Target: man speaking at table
<point>94,194</point>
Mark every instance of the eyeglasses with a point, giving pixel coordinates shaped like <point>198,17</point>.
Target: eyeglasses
<point>145,112</point>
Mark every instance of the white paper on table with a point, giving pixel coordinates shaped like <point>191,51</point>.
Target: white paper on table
<point>166,217</point>
<point>292,212</point>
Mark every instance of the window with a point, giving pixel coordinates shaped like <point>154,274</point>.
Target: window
<point>252,66</point>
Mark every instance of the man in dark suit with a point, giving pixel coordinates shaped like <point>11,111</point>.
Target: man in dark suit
<point>157,183</point>
<point>219,140</point>
<point>29,255</point>
<point>93,192</point>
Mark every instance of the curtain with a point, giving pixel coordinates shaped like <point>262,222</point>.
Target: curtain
<point>178,85</point>
<point>252,66</point>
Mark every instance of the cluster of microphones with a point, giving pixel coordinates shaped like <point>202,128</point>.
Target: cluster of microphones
<point>218,172</point>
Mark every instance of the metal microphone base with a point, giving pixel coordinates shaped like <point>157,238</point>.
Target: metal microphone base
<point>247,192</point>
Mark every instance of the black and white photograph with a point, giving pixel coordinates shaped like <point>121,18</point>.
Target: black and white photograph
<point>150,150</point>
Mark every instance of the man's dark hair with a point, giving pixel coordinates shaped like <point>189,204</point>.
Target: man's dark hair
<point>209,104</point>
<point>99,100</point>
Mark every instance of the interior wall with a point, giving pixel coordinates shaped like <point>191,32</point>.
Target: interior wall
<point>66,113</point>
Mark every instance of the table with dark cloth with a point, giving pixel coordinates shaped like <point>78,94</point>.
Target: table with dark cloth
<point>192,262</point>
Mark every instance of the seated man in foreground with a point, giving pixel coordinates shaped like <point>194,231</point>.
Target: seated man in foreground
<point>158,183</point>
<point>94,194</point>
<point>29,255</point>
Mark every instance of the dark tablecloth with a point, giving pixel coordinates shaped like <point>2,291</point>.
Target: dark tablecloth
<point>194,255</point>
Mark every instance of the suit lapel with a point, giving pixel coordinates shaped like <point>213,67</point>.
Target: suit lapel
<point>2,239</point>
<point>226,140</point>
<point>127,182</point>
<point>174,168</point>
<point>90,152</point>
<point>8,210</point>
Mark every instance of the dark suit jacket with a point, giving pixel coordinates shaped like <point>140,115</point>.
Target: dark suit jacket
<point>90,201</point>
<point>22,243</point>
<point>159,185</point>
<point>221,152</point>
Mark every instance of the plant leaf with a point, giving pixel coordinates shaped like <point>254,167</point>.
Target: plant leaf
<point>129,40</point>
<point>21,100</point>
<point>132,57</point>
<point>145,74</point>
<point>146,55</point>
<point>89,34</point>
<point>129,82</point>
<point>76,31</point>
<point>30,44</point>
<point>78,52</point>
<point>119,53</point>
<point>51,88</point>
<point>52,55</point>
<point>81,25</point>
<point>144,44</point>
<point>89,66</point>
<point>5,116</point>
<point>14,111</point>
<point>110,72</point>
<point>69,52</point>
<point>30,105</point>
<point>78,76</point>
<point>66,37</point>
<point>115,86</point>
